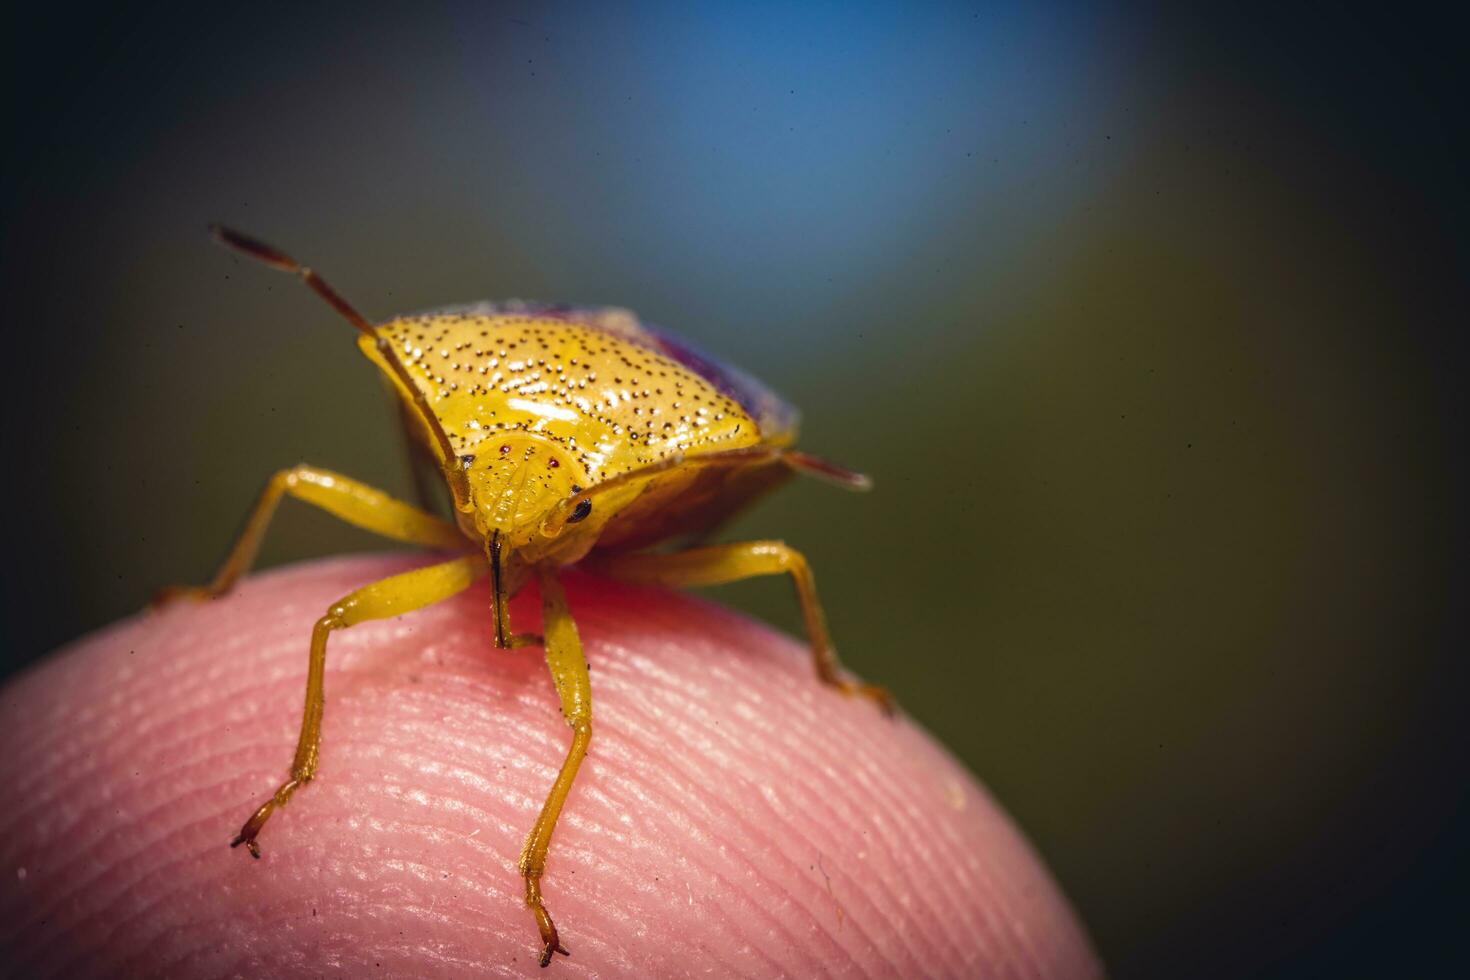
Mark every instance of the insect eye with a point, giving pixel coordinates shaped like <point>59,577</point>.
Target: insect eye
<point>580,514</point>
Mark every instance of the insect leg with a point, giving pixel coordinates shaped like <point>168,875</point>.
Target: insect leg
<point>569,673</point>
<point>725,563</point>
<point>380,600</point>
<point>354,502</point>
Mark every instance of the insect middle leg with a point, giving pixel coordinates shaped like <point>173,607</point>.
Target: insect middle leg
<point>569,673</point>
<point>725,563</point>
<point>341,496</point>
<point>380,600</point>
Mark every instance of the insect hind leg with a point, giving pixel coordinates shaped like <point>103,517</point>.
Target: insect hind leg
<point>726,563</point>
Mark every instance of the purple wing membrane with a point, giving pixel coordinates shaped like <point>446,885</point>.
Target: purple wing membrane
<point>776,417</point>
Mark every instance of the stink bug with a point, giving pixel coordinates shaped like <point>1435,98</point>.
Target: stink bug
<point>563,436</point>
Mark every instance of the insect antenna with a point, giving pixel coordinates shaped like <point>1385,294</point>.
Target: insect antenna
<point>276,259</point>
<point>824,469</point>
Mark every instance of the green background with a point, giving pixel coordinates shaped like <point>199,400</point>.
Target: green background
<point>1145,326</point>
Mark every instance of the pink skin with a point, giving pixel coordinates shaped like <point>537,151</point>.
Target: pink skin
<point>734,817</point>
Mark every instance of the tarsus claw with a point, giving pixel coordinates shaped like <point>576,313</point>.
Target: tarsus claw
<point>878,695</point>
<point>250,845</point>
<point>554,946</point>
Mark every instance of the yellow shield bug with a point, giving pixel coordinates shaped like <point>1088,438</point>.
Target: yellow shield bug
<point>563,436</point>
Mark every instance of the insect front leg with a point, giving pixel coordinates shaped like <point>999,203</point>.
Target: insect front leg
<point>725,563</point>
<point>569,673</point>
<point>341,496</point>
<point>390,597</point>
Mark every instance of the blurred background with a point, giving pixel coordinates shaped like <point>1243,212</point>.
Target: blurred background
<point>1146,324</point>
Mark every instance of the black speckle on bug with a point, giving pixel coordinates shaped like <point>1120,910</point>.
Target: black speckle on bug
<point>580,514</point>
